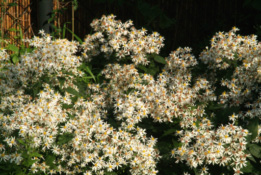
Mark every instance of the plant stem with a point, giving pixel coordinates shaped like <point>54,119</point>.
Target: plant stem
<point>72,21</point>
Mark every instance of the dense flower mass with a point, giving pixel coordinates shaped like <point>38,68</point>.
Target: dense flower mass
<point>123,39</point>
<point>54,58</point>
<point>243,53</point>
<point>93,141</point>
<point>43,107</point>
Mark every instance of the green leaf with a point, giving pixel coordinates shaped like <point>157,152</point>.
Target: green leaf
<point>21,36</point>
<point>253,128</point>
<point>87,69</point>
<point>12,30</point>
<point>35,154</point>
<point>13,48</point>
<point>110,173</point>
<point>165,21</point>
<point>66,106</point>
<point>64,28</point>
<point>21,141</point>
<point>160,59</point>
<point>143,68</point>
<point>28,50</point>
<point>49,159</point>
<point>20,173</point>
<point>176,143</point>
<point>78,38</point>
<point>86,79</point>
<point>98,77</point>
<point>75,4</point>
<point>65,138</point>
<point>90,72</point>
<point>196,171</point>
<point>15,59</point>
<point>72,91</point>
<point>5,168</point>
<point>197,123</point>
<point>28,162</point>
<point>12,4</point>
<point>169,132</point>
<point>215,106</point>
<point>255,150</point>
<point>248,168</point>
<point>148,11</point>
<point>61,80</point>
<point>252,158</point>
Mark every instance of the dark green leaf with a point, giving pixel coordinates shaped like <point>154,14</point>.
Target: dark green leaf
<point>143,68</point>
<point>35,154</point>
<point>248,168</point>
<point>110,173</point>
<point>252,158</point>
<point>5,168</point>
<point>65,138</point>
<point>165,21</point>
<point>28,162</point>
<point>255,150</point>
<point>253,128</point>
<point>49,159</point>
<point>66,106</point>
<point>12,4</point>
<point>176,143</point>
<point>169,132</point>
<point>61,81</point>
<point>160,59</point>
<point>20,173</point>
<point>256,4</point>
<point>72,91</point>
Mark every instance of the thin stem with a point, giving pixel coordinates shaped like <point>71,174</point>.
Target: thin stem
<point>72,21</point>
<point>58,17</point>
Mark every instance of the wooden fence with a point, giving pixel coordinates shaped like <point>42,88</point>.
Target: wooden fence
<point>15,20</point>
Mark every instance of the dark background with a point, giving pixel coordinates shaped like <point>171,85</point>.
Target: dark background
<point>182,22</point>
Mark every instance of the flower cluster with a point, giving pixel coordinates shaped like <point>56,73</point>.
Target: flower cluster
<point>203,145</point>
<point>93,142</point>
<point>51,56</point>
<point>123,38</point>
<point>54,58</point>
<point>3,55</point>
<point>242,53</point>
<point>137,96</point>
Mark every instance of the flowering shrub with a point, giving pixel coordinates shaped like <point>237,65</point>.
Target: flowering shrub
<point>58,117</point>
